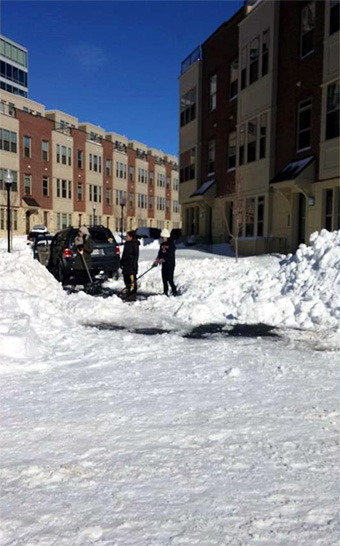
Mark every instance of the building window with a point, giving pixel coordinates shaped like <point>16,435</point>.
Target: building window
<point>142,201</point>
<point>69,156</point>
<point>64,189</point>
<point>108,197</point>
<point>187,165</point>
<point>27,184</point>
<point>304,125</point>
<point>63,155</point>
<point>100,164</point>
<point>161,180</point>
<point>263,135</point>
<point>250,217</point>
<point>254,60</point>
<point>151,178</point>
<point>27,146</point>
<point>58,187</point>
<point>334,16</point>
<point>131,173</point>
<point>95,163</point>
<point>252,138</point>
<point>90,162</point>
<point>45,185</point>
<point>265,52</point>
<point>44,149</point>
<point>175,207</point>
<point>160,203</point>
<point>120,197</point>
<point>244,68</point>
<point>307,29</point>
<point>175,184</point>
<point>14,186</point>
<point>79,191</point>
<point>131,200</point>
<point>212,92</point>
<point>260,216</point>
<point>211,157</point>
<point>150,202</point>
<point>15,220</point>
<point>242,141</point>
<point>188,107</point>
<point>328,219</point>
<point>231,151</point>
<point>233,79</point>
<point>142,175</point>
<point>120,170</point>
<point>58,152</point>
<point>80,159</point>
<point>333,106</point>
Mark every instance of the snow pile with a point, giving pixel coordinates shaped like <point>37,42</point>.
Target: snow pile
<point>30,307</point>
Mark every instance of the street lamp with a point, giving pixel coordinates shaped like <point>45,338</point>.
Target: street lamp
<point>122,205</point>
<point>94,215</point>
<point>8,184</point>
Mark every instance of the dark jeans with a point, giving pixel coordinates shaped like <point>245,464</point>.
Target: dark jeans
<point>130,283</point>
<point>168,278</point>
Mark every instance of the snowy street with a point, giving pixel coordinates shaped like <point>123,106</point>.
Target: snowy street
<point>116,438</point>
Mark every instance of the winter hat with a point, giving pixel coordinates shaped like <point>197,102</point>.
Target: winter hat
<point>84,230</point>
<point>165,233</point>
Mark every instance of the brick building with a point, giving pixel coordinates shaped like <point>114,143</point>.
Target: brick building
<point>71,173</point>
<point>266,122</point>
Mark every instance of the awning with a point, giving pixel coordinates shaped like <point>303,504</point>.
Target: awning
<point>293,170</point>
<point>31,202</point>
<point>204,187</point>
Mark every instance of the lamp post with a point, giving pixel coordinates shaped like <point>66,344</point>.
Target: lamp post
<point>94,216</point>
<point>122,205</point>
<point>8,184</point>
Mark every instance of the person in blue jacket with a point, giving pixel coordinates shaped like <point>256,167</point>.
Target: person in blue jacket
<point>166,257</point>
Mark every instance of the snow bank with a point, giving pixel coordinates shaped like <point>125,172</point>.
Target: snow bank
<point>300,291</point>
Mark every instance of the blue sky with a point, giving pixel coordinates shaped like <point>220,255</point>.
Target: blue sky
<point>114,64</point>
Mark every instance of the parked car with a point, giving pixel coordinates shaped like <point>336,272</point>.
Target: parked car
<point>105,256</point>
<point>33,235</point>
<point>176,234</point>
<point>148,234</point>
<point>40,229</point>
<point>40,247</point>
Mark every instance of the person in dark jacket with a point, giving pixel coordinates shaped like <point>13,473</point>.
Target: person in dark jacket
<point>129,262</point>
<point>84,247</point>
<point>166,257</point>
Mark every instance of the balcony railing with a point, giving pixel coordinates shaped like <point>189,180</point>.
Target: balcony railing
<point>141,154</point>
<point>195,56</point>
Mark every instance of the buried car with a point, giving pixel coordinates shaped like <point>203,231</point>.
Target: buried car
<point>105,256</point>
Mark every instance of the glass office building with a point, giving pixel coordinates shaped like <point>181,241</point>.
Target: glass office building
<point>14,67</point>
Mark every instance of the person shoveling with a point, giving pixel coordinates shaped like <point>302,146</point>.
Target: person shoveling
<point>83,263</point>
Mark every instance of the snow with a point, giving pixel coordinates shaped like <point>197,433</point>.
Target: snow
<point>115,438</point>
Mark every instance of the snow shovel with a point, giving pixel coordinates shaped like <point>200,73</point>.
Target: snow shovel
<point>93,287</point>
<point>137,279</point>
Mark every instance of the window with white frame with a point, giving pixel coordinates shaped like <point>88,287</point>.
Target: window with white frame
<point>252,140</point>
<point>211,156</point>
<point>142,175</point>
<point>233,79</point>
<point>263,135</point>
<point>27,184</point>
<point>27,146</point>
<point>8,141</point>
<point>265,52</point>
<point>328,209</point>
<point>231,161</point>
<point>244,56</point>
<point>161,180</point>
<point>64,155</point>
<point>254,52</point>
<point>241,145</point>
<point>120,170</point>
<point>249,220</point>
<point>175,206</point>
<point>175,184</point>
<point>108,197</point>
<point>142,201</point>
<point>108,167</point>
<point>44,150</point>
<point>131,200</point>
<point>131,173</point>
<point>120,197</point>
<point>333,110</point>
<point>307,30</point>
<point>80,159</point>
<point>334,16</point>
<point>79,191</point>
<point>151,175</point>
<point>45,186</point>
<point>160,203</point>
<point>260,216</point>
<point>304,125</point>
<point>150,202</point>
<point>212,92</point>
<point>188,107</point>
<point>69,156</point>
<point>14,186</point>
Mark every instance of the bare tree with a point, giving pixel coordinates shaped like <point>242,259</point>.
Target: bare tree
<point>237,214</point>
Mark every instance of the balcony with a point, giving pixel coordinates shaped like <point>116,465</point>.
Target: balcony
<point>7,110</point>
<point>141,154</point>
<point>120,147</point>
<point>195,56</point>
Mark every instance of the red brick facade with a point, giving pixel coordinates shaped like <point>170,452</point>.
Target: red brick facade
<point>79,176</point>
<point>108,147</point>
<point>151,187</point>
<point>218,53</point>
